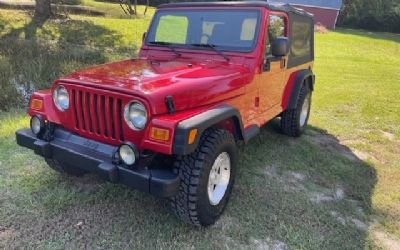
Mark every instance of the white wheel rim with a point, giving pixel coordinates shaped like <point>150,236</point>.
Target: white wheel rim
<point>304,110</point>
<point>218,179</point>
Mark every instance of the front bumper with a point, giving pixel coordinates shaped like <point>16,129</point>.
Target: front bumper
<point>97,157</point>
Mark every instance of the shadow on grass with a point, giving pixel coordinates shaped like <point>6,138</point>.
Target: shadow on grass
<point>2,24</point>
<point>32,57</point>
<point>370,34</point>
<point>310,192</point>
<point>29,30</point>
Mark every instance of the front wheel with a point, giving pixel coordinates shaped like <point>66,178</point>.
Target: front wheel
<point>294,121</point>
<point>207,176</point>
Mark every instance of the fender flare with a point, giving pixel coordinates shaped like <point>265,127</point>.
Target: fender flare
<point>304,74</point>
<point>201,122</point>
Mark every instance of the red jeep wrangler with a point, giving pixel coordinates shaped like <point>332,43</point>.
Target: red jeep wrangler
<point>208,76</point>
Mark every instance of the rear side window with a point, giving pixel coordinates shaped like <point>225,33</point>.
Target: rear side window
<point>301,39</point>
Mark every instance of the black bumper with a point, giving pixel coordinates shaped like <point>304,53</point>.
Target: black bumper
<point>97,158</point>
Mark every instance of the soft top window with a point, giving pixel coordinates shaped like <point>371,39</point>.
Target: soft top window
<point>301,40</point>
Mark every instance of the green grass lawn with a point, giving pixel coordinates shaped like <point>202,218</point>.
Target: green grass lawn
<point>336,187</point>
<point>109,9</point>
<point>114,10</point>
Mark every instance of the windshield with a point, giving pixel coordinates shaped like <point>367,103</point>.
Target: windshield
<point>230,30</point>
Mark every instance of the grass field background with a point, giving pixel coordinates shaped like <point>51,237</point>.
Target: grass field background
<point>336,187</point>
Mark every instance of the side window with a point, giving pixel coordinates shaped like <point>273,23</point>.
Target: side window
<point>301,33</point>
<point>276,28</point>
<point>167,24</point>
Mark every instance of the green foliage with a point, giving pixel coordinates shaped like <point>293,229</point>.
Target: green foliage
<point>113,9</point>
<point>33,54</point>
<point>141,2</point>
<point>380,15</point>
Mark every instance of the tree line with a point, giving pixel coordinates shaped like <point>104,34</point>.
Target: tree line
<point>378,15</point>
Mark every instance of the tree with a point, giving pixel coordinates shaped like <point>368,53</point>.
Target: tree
<point>126,6</point>
<point>380,15</point>
<point>43,9</point>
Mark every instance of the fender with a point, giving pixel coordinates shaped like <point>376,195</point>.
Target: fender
<point>202,122</point>
<point>292,90</point>
<point>46,109</point>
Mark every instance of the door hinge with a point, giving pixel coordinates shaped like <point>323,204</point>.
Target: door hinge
<point>267,65</point>
<point>283,63</point>
<point>257,102</point>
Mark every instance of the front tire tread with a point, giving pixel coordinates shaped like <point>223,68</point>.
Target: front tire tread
<point>190,168</point>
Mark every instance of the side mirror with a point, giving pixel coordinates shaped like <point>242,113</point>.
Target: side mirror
<point>144,36</point>
<point>280,46</point>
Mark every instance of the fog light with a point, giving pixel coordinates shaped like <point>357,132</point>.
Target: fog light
<point>37,125</point>
<point>128,154</point>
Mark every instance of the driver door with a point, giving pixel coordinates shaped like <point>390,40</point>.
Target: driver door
<point>274,68</point>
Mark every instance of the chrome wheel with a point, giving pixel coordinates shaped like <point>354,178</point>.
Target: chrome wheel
<point>305,109</point>
<point>218,178</point>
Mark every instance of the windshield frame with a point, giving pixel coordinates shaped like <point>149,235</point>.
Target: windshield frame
<point>156,18</point>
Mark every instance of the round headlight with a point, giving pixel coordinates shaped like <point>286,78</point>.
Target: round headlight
<point>127,154</point>
<point>135,115</point>
<point>61,98</point>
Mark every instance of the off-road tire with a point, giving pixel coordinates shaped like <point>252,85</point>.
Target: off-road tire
<point>64,169</point>
<point>192,203</point>
<point>290,118</point>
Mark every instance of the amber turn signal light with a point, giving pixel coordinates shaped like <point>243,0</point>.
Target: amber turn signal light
<point>159,134</point>
<point>37,104</point>
<point>192,136</point>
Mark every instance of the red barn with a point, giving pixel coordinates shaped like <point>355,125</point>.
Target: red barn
<point>325,11</point>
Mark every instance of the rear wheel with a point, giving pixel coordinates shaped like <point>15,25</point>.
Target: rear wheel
<point>64,168</point>
<point>207,176</point>
<point>294,121</point>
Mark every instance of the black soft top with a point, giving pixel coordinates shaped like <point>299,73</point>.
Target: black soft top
<point>269,5</point>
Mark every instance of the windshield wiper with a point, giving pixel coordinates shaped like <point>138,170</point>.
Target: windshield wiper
<point>212,46</point>
<point>168,45</point>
